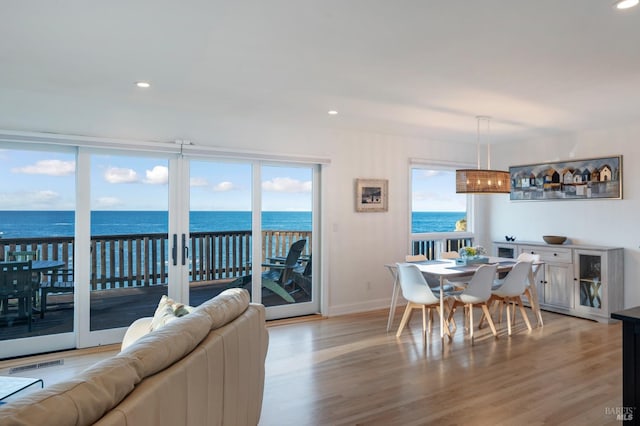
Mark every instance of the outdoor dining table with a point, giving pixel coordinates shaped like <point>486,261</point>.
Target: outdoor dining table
<point>447,268</point>
<point>45,265</point>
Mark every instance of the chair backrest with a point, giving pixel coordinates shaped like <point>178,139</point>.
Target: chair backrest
<point>533,258</point>
<point>449,255</point>
<point>479,288</point>
<point>307,268</point>
<point>415,258</point>
<point>414,286</point>
<point>291,261</point>
<point>517,279</point>
<point>294,253</point>
<point>16,279</point>
<point>22,256</point>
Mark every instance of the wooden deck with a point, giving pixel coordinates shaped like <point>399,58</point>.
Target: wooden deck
<point>117,308</point>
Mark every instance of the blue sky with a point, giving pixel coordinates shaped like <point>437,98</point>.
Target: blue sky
<point>435,191</point>
<point>35,180</point>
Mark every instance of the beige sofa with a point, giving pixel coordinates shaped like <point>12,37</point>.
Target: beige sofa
<point>205,368</point>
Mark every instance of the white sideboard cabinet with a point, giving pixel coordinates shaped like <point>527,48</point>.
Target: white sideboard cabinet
<point>583,281</point>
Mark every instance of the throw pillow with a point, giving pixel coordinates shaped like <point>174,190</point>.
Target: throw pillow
<point>167,311</point>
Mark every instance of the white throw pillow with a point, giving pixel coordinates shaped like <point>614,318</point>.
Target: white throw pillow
<point>167,311</point>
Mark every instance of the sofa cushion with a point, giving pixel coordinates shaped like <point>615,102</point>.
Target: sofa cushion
<point>225,307</point>
<point>159,349</point>
<point>166,345</point>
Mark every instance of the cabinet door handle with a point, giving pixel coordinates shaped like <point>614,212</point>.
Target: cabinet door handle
<point>555,254</point>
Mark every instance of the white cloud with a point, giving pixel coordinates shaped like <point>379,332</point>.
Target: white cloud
<point>48,167</point>
<point>106,202</point>
<point>285,184</point>
<point>159,175</point>
<point>28,200</point>
<point>120,175</point>
<point>198,182</point>
<point>224,187</point>
<point>430,173</point>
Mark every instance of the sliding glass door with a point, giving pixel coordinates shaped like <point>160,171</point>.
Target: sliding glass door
<point>267,251</point>
<point>111,231</point>
<point>220,228</point>
<point>288,227</point>
<point>37,214</point>
<point>129,238</point>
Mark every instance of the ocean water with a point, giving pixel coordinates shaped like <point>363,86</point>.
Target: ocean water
<point>24,224</point>
<point>435,221</point>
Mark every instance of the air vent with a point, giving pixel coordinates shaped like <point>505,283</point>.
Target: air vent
<point>36,366</point>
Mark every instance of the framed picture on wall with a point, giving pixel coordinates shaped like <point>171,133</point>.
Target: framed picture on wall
<point>588,179</point>
<point>372,195</point>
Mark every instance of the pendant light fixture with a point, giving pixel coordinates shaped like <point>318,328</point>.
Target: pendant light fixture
<point>483,181</point>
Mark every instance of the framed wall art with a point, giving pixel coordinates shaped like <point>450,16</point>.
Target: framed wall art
<point>593,178</point>
<point>372,195</point>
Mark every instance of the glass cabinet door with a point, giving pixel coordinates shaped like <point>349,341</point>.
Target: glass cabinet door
<point>589,276</point>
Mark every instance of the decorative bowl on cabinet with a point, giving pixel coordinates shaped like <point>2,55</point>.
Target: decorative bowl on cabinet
<point>554,239</point>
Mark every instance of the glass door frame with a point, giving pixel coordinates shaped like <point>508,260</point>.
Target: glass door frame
<point>294,309</point>
<point>177,223</point>
<point>49,342</point>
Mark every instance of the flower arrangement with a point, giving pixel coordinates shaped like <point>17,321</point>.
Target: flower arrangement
<point>472,251</point>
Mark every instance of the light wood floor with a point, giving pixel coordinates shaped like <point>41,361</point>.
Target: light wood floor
<point>348,370</point>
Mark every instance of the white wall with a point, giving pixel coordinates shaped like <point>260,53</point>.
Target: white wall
<point>597,222</point>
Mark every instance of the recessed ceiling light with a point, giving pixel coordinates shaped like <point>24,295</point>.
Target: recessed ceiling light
<point>143,84</point>
<point>333,112</point>
<point>626,4</point>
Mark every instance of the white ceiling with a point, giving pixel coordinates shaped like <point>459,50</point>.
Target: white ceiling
<point>422,68</point>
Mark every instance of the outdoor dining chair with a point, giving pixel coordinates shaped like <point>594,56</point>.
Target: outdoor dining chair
<point>17,285</point>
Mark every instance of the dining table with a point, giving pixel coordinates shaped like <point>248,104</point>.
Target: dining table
<point>444,269</point>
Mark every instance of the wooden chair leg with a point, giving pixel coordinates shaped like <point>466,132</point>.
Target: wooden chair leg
<point>446,322</point>
<point>508,317</point>
<point>523,312</point>
<point>471,321</point>
<point>485,309</point>
<point>424,322</point>
<point>405,318</point>
<point>450,319</point>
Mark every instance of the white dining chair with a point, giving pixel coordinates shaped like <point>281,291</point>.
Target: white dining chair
<point>418,295</point>
<point>457,282</point>
<point>449,255</point>
<point>529,292</point>
<point>434,284</point>
<point>511,291</point>
<point>477,292</point>
<point>415,258</point>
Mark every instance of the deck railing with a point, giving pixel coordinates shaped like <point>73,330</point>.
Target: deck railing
<point>140,260</point>
<point>432,244</point>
